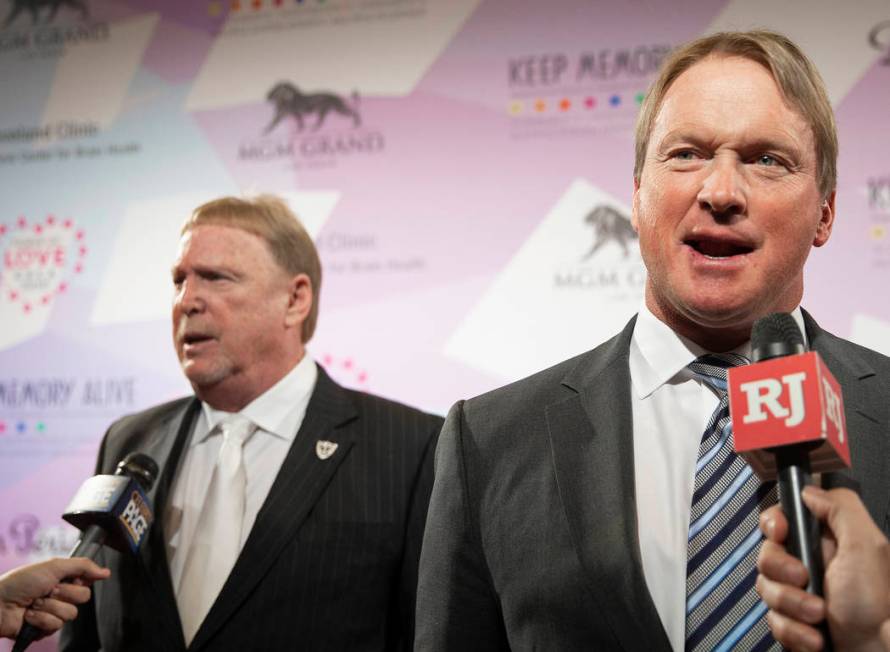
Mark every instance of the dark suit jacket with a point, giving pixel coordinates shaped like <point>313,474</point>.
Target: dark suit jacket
<point>331,562</point>
<point>531,539</point>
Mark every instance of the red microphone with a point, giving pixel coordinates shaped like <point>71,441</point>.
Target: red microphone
<point>788,401</point>
<point>787,422</point>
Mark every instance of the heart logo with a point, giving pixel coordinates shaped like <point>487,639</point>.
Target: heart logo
<point>38,259</point>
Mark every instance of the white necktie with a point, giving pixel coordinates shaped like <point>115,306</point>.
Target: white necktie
<point>217,540</point>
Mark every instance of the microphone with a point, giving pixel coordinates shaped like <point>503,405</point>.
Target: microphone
<point>111,510</point>
<point>787,397</point>
<point>114,510</point>
<point>788,422</point>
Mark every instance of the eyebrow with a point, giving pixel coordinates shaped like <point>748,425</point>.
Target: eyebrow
<point>773,144</point>
<point>210,269</point>
<point>761,144</point>
<point>678,136</point>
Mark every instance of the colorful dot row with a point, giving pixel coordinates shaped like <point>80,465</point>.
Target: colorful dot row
<point>216,7</point>
<point>20,427</point>
<point>565,104</point>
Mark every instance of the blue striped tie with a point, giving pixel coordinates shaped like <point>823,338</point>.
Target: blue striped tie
<point>723,610</point>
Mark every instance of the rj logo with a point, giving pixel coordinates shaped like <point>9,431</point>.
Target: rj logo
<point>763,396</point>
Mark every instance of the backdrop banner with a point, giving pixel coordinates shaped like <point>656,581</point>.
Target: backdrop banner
<point>465,167</point>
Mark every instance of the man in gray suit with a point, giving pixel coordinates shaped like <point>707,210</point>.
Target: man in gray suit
<point>598,504</point>
<point>289,510</point>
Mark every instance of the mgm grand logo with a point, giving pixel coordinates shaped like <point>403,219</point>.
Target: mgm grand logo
<point>879,38</point>
<point>290,102</point>
<point>879,194</point>
<point>45,9</point>
<point>609,226</point>
<point>307,113</point>
<point>610,260</point>
<point>41,34</point>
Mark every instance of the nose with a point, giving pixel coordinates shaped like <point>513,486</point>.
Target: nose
<point>188,297</point>
<point>723,190</point>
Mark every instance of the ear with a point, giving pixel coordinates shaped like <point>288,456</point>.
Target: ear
<point>634,220</point>
<point>299,300</point>
<point>826,221</point>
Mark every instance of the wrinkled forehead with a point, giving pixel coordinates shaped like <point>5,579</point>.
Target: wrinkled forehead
<point>721,71</point>
<point>219,242</point>
<point>737,93</point>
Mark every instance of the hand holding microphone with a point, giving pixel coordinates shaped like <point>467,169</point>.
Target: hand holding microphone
<point>111,510</point>
<point>788,422</point>
<point>45,594</point>
<point>857,577</point>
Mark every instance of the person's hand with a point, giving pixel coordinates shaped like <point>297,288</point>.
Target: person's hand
<point>44,594</point>
<point>856,583</point>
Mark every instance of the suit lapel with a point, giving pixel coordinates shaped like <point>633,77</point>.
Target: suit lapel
<point>165,445</point>
<point>591,435</point>
<point>867,415</point>
<point>303,477</point>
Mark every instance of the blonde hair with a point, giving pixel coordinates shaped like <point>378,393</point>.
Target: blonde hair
<point>799,81</point>
<point>269,218</point>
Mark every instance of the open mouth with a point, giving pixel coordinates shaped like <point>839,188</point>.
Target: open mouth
<point>190,339</point>
<point>717,249</point>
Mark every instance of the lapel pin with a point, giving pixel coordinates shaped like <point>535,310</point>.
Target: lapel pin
<point>324,448</point>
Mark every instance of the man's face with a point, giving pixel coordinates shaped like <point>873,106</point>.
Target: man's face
<point>234,325</point>
<point>727,206</point>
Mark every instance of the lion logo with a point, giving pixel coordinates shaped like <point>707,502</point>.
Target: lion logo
<point>609,225</point>
<point>879,38</point>
<point>34,7</point>
<point>289,101</point>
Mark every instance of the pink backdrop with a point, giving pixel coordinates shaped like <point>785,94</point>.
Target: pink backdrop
<point>449,198</point>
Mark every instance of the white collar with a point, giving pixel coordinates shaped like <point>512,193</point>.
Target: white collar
<point>658,355</point>
<point>269,410</point>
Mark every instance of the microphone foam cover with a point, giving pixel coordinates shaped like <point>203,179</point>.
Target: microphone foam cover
<point>140,467</point>
<point>774,336</point>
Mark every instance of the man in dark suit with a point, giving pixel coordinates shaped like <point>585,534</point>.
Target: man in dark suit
<point>289,510</point>
<point>598,505</point>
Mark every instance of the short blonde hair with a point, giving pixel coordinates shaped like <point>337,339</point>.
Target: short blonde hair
<point>799,81</point>
<point>269,218</point>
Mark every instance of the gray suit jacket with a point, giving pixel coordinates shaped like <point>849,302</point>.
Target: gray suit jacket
<point>531,539</point>
<point>331,561</point>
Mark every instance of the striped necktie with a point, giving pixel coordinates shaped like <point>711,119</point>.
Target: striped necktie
<point>723,610</point>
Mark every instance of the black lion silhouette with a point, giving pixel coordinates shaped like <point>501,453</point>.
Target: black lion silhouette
<point>609,225</point>
<point>35,6</point>
<point>290,101</point>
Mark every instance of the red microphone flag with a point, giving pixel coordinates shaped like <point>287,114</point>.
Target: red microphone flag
<point>788,400</point>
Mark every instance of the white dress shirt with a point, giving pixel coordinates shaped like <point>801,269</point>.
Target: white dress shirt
<point>278,414</point>
<point>670,411</point>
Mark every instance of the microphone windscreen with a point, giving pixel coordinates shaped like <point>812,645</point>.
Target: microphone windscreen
<point>140,467</point>
<point>774,336</point>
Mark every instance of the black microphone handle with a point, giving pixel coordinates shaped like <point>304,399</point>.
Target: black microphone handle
<point>804,539</point>
<point>90,542</point>
<point>87,546</point>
